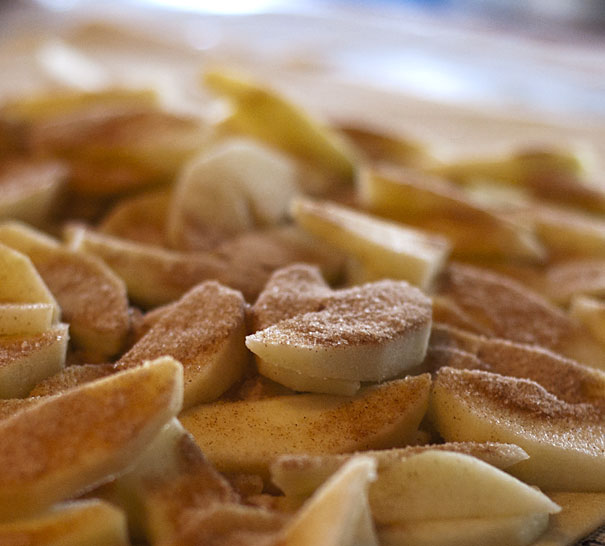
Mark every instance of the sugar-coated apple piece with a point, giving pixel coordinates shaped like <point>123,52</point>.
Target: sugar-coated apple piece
<point>512,311</point>
<point>432,204</point>
<point>205,331</point>
<point>496,531</point>
<point>84,522</point>
<point>25,360</point>
<point>68,444</point>
<point>435,485</point>
<point>264,114</point>
<point>70,377</point>
<point>20,282</point>
<point>564,441</point>
<point>92,298</point>
<point>169,480</point>
<point>245,436</point>
<point>366,333</point>
<point>122,149</point>
<point>25,318</point>
<point>233,187</point>
<point>338,513</point>
<point>300,475</point>
<point>29,190</point>
<point>156,276</point>
<point>571,278</point>
<point>386,249</point>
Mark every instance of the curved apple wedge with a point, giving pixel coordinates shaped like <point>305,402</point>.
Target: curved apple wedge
<point>25,318</point>
<point>245,436</point>
<point>90,522</point>
<point>371,332</point>
<point>67,444</point>
<point>338,513</point>
<point>565,441</point>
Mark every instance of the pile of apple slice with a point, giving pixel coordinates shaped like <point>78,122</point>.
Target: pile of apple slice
<point>252,332</point>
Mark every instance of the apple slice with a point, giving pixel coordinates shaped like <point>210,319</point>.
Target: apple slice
<point>565,441</point>
<point>205,331</point>
<point>21,282</point>
<point>234,186</point>
<point>435,485</point>
<point>568,279</point>
<point>29,190</point>
<point>338,513</point>
<point>70,377</point>
<point>416,198</point>
<point>262,113</point>
<point>591,312</point>
<point>92,298</point>
<point>300,475</point>
<point>245,436</point>
<point>496,531</point>
<point>27,360</point>
<point>91,522</point>
<point>156,276</point>
<point>512,311</point>
<point>366,333</point>
<point>70,443</point>
<point>387,249</point>
<point>25,318</point>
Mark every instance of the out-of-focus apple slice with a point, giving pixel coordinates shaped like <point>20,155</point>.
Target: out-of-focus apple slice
<point>141,218</point>
<point>447,485</point>
<point>591,312</point>
<point>156,276</point>
<point>29,190</point>
<point>27,360</point>
<point>21,282</point>
<point>496,531</point>
<point>300,475</point>
<point>565,441</point>
<point>387,249</point>
<point>263,114</point>
<point>119,150</point>
<point>231,188</point>
<point>366,333</point>
<point>67,444</point>
<point>512,311</point>
<point>92,298</point>
<point>338,513</point>
<point>205,331</point>
<point>170,479</point>
<point>569,279</point>
<point>91,522</point>
<point>25,318</point>
<point>433,204</point>
<point>246,436</point>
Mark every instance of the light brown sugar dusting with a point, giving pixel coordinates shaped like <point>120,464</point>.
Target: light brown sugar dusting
<point>194,326</point>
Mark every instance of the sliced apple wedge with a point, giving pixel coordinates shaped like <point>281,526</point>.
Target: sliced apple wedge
<point>495,531</point>
<point>264,114</point>
<point>447,485</point>
<point>156,276</point>
<point>29,190</point>
<point>511,311</point>
<point>591,312</point>
<point>91,522</point>
<point>25,318</point>
<point>234,186</point>
<point>300,475</point>
<point>366,333</point>
<point>68,444</point>
<point>338,513</point>
<point>92,298</point>
<point>246,436</point>
<point>27,360</point>
<point>565,441</point>
<point>70,377</point>
<point>571,278</point>
<point>387,249</point>
<point>432,204</point>
<point>205,331</point>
